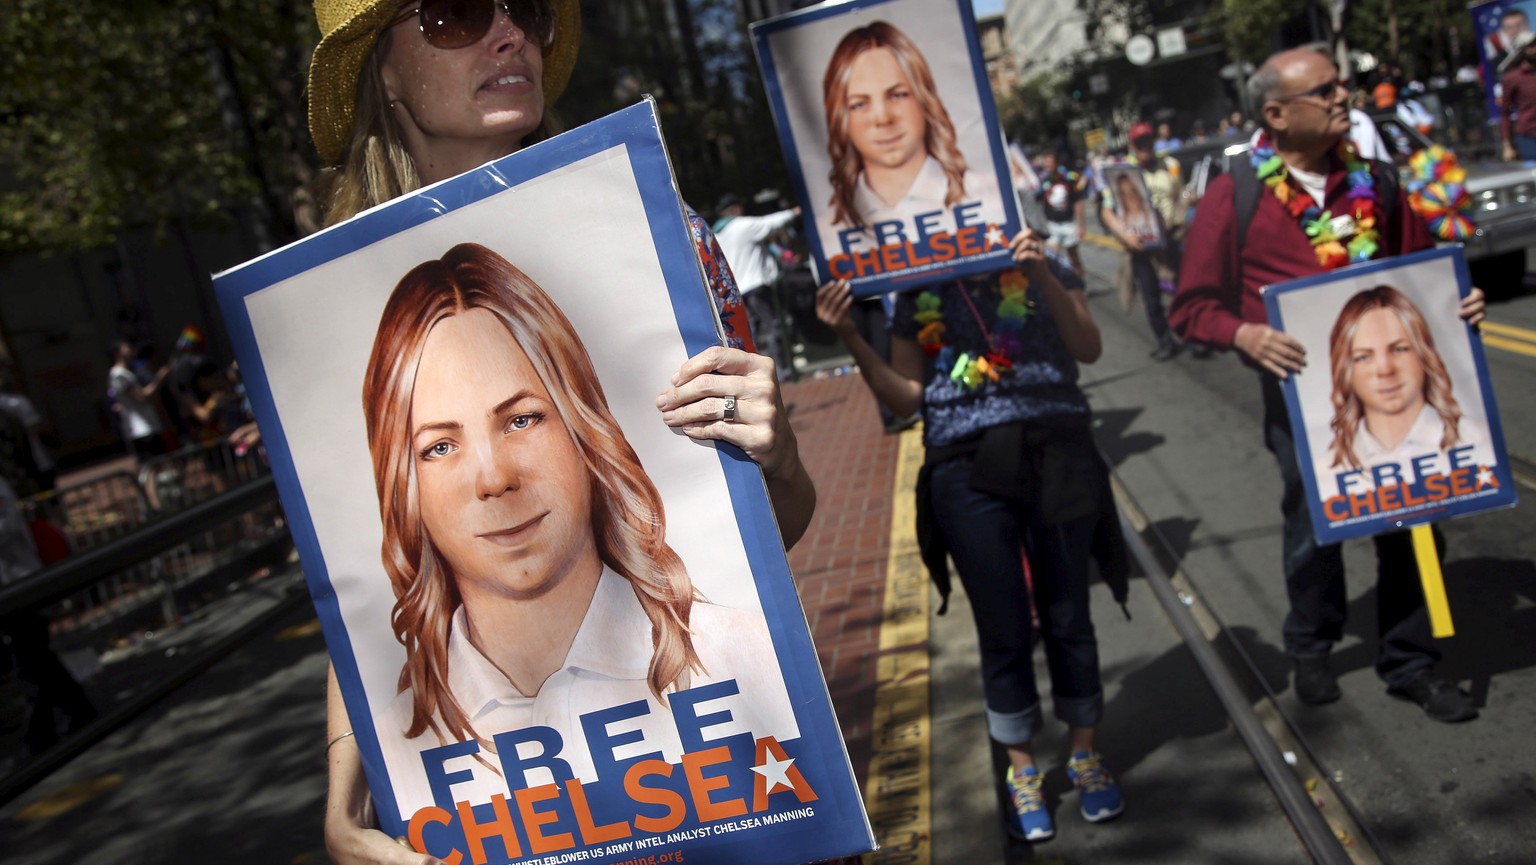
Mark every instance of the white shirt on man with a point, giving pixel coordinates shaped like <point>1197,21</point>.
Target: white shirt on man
<point>744,242</point>
<point>1366,138</point>
<point>139,418</point>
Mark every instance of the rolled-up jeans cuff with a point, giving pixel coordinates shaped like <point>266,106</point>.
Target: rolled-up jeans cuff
<point>1015,728</point>
<point>1079,711</point>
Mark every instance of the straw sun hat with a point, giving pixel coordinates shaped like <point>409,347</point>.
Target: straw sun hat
<point>350,28</point>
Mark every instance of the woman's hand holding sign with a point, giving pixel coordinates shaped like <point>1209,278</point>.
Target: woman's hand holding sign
<point>1028,251</point>
<point>730,395</point>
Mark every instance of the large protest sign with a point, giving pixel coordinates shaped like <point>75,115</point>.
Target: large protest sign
<point>564,631</point>
<point>1131,202</point>
<point>1394,418</point>
<point>891,138</point>
<point>1498,26</point>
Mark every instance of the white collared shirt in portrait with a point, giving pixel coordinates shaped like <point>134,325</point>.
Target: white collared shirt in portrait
<point>925,195</point>
<point>1423,438</point>
<point>605,667</point>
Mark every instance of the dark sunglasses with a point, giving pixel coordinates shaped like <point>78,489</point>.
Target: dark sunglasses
<point>450,24</point>
<point>1321,91</point>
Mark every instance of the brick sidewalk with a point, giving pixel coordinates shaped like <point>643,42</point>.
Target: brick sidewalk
<point>840,564</point>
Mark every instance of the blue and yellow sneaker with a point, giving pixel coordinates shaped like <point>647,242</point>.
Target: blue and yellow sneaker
<point>1098,793</point>
<point>1030,820</point>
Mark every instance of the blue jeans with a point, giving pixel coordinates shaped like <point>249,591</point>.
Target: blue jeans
<point>987,535</point>
<point>1314,574</point>
<point>1525,145</point>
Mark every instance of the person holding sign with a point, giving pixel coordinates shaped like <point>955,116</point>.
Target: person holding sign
<point>1137,218</point>
<point>403,95</point>
<point>1142,206</point>
<point>1395,411</point>
<point>1010,465</point>
<point>897,170</point>
<point>1310,204</point>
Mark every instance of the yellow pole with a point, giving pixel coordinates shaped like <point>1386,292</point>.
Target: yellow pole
<point>1433,581</point>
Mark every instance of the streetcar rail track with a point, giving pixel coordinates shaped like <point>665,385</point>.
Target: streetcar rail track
<point>1325,820</point>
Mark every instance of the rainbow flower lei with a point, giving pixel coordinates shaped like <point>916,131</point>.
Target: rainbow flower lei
<point>1332,249</point>
<point>1437,193</point>
<point>1005,344</point>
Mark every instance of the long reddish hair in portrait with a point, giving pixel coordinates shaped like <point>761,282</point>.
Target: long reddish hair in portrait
<point>628,522</point>
<point>1347,410</point>
<point>847,165</point>
<point>1132,203</point>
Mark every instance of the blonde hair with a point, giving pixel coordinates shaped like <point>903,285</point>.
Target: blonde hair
<point>376,167</point>
<point>1347,410</point>
<point>940,139</point>
<point>628,521</point>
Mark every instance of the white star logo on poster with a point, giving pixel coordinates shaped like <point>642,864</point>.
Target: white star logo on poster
<point>775,771</point>
<point>1485,478</point>
<point>994,236</point>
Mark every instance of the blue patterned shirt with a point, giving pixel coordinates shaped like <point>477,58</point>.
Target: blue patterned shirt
<point>1041,386</point>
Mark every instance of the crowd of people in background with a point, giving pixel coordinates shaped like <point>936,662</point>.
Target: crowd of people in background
<point>1168,149</point>
<point>190,399</point>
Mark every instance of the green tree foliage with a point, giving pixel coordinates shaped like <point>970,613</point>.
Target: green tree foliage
<point>695,58</point>
<point>1249,26</point>
<point>1134,16</point>
<point>144,112</point>
<point>1420,28</point>
<point>127,114</point>
<point>1039,111</point>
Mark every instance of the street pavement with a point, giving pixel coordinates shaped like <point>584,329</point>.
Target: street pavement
<point>1184,439</point>
<point>231,767</point>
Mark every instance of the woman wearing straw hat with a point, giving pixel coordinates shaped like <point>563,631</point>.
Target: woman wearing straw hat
<point>406,94</point>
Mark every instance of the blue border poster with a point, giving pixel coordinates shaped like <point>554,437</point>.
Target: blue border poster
<point>1495,26</point>
<point>564,632</point>
<point>892,140</point>
<point>1394,418</point>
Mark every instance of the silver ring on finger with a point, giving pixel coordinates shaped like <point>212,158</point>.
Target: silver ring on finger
<point>728,413</point>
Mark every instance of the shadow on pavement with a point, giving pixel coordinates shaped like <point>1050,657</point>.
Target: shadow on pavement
<point>256,779</point>
<point>1177,535</point>
<point>1109,430</point>
<point>1493,602</point>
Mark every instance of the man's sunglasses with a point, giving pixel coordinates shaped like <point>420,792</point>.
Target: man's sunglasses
<point>1321,91</point>
<point>450,24</point>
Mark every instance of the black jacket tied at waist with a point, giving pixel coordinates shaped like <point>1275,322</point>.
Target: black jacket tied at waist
<point>1054,467</point>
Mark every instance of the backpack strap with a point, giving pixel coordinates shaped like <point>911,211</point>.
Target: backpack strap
<point>1387,187</point>
<point>1245,194</point>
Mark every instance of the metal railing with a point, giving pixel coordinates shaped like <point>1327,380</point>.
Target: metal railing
<point>149,551</point>
<point>156,589</point>
<point>60,584</point>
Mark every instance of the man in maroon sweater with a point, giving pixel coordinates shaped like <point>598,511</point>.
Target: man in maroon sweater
<point>1305,113</point>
